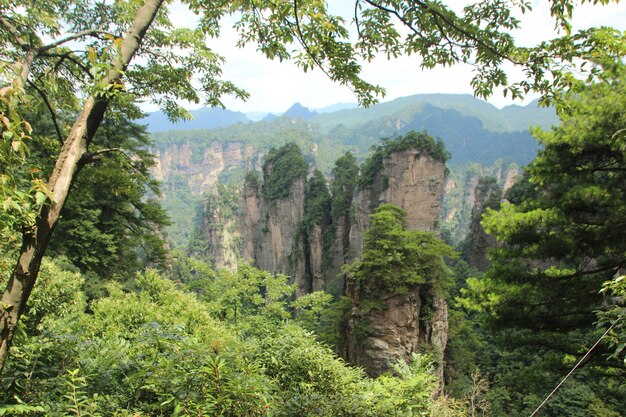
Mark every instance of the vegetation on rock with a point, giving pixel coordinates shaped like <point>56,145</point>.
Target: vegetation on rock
<point>395,259</point>
<point>421,142</point>
<point>281,167</point>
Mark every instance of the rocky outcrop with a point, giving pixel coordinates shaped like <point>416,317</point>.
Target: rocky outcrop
<point>377,338</point>
<point>278,235</point>
<point>315,262</point>
<point>460,195</point>
<point>411,180</point>
<point>487,194</point>
<point>413,322</point>
<point>273,242</point>
<point>340,255</point>
<point>217,235</point>
<point>201,169</point>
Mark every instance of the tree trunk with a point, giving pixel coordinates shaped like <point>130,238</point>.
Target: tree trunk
<point>68,163</point>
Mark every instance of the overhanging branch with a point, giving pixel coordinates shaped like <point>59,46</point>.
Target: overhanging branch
<point>53,115</point>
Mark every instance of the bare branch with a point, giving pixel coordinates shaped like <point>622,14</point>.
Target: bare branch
<point>44,97</point>
<point>356,17</point>
<point>91,157</point>
<point>74,36</point>
<point>15,33</point>
<point>69,56</point>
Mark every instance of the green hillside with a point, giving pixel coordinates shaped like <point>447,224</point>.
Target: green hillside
<point>509,119</point>
<point>473,130</point>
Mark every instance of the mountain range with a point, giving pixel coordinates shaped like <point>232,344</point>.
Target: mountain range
<point>508,119</point>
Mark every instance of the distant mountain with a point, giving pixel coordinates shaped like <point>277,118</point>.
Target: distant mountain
<point>270,117</point>
<point>298,111</point>
<point>337,107</point>
<point>510,119</point>
<point>256,116</point>
<point>465,137</point>
<point>473,131</point>
<point>204,118</point>
<point>530,115</point>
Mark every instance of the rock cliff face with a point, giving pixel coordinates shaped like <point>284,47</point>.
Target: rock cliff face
<point>487,195</point>
<point>201,170</point>
<point>411,180</point>
<point>218,232</point>
<point>415,182</point>
<point>460,195</point>
<point>274,237</point>
<point>315,258</point>
<point>270,232</point>
<point>377,339</point>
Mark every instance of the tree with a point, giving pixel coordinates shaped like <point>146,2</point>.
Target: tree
<point>112,222</point>
<point>71,156</point>
<point>79,53</point>
<point>562,241</point>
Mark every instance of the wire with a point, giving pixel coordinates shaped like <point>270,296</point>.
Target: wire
<point>575,366</point>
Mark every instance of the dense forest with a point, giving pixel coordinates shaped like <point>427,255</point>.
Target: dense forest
<point>421,257</point>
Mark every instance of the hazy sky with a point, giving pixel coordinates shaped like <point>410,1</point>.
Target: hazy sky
<point>275,86</point>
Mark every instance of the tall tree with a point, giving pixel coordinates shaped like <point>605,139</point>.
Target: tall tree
<point>561,242</point>
<point>35,240</point>
<point>112,222</point>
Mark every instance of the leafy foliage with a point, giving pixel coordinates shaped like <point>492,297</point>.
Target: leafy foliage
<point>159,350</point>
<point>558,245</point>
<point>22,190</point>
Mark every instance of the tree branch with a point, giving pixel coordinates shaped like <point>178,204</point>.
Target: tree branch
<point>78,35</point>
<point>303,42</point>
<point>356,17</point>
<point>447,21</point>
<point>44,97</point>
<point>69,56</point>
<point>15,33</point>
<point>90,157</point>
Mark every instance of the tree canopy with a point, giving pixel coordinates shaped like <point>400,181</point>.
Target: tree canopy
<point>557,246</point>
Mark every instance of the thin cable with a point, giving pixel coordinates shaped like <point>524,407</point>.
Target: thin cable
<point>576,366</point>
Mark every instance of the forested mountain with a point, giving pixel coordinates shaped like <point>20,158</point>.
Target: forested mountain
<point>508,119</point>
<point>190,162</point>
<point>473,130</point>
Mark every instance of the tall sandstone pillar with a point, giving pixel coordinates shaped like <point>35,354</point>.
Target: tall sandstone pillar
<point>413,181</point>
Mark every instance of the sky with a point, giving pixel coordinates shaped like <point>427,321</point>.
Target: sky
<point>275,86</point>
